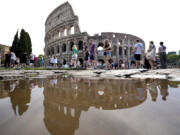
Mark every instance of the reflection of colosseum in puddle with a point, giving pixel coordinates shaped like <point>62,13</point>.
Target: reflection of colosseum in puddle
<point>63,31</point>
<point>64,102</point>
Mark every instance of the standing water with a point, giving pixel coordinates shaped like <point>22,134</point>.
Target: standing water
<point>73,106</point>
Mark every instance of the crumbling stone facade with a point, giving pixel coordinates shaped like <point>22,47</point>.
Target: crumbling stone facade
<point>63,31</point>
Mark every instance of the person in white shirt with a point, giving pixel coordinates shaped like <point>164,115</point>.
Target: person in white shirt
<point>138,52</point>
<point>13,58</point>
<point>55,61</point>
<point>151,54</point>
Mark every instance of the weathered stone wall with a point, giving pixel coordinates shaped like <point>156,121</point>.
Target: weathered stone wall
<point>62,32</point>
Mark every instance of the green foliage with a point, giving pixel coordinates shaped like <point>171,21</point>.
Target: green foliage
<point>14,47</point>
<point>172,58</point>
<point>39,60</point>
<point>22,44</point>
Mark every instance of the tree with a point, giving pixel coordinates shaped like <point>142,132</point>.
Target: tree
<point>173,58</point>
<point>14,47</point>
<point>39,59</point>
<point>22,44</point>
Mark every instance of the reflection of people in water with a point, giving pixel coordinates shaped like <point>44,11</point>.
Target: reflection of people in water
<point>163,86</point>
<point>152,87</point>
<point>20,97</point>
<point>140,91</point>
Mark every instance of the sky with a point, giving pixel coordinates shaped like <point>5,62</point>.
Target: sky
<point>156,20</point>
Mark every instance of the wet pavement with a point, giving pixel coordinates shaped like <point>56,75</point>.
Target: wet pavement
<point>65,105</point>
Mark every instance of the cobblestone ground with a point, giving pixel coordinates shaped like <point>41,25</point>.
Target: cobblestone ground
<point>170,74</point>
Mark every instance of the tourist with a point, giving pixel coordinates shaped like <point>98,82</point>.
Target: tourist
<point>13,58</point>
<point>74,55</point>
<point>162,55</point>
<point>51,61</point>
<point>35,61</point>
<point>107,52</point>
<point>17,62</point>
<point>138,52</point>
<point>41,61</point>
<point>86,58</point>
<point>92,53</point>
<point>7,59</point>
<point>151,54</point>
<point>31,59</point>
<point>28,63</point>
<point>24,59</point>
<point>55,61</point>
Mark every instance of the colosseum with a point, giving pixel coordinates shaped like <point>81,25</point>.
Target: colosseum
<point>63,31</point>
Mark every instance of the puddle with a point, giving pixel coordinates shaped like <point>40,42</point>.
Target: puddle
<point>74,106</point>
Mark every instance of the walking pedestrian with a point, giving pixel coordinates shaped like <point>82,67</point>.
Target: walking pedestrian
<point>107,53</point>
<point>162,55</point>
<point>55,61</point>
<point>86,58</point>
<point>74,55</point>
<point>41,61</point>
<point>138,52</point>
<point>151,54</point>
<point>31,59</point>
<point>7,59</point>
<point>24,60</point>
<point>13,58</point>
<point>92,53</point>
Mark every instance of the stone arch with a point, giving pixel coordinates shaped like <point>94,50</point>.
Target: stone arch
<point>100,44</point>
<point>64,61</point>
<point>64,47</point>
<point>64,32</point>
<point>120,50</point>
<point>71,45</point>
<point>57,49</point>
<point>71,30</point>
<point>125,51</point>
<point>48,52</point>
<point>81,61</point>
<point>114,50</point>
<point>80,45</point>
<point>52,50</point>
<point>120,42</point>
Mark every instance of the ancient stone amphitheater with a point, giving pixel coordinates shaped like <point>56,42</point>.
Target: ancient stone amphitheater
<point>63,31</point>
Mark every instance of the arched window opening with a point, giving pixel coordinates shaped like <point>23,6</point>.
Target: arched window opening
<point>52,50</point>
<point>125,51</point>
<point>72,30</point>
<point>120,51</point>
<point>100,44</point>
<point>71,45</point>
<point>65,32</point>
<point>120,42</point>
<point>80,45</point>
<point>114,36</point>
<point>64,48</point>
<point>114,50</point>
<point>57,48</point>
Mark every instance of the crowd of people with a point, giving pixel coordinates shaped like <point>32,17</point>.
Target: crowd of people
<point>152,60</point>
<point>11,60</point>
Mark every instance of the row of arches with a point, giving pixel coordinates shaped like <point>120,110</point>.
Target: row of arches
<point>64,48</point>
